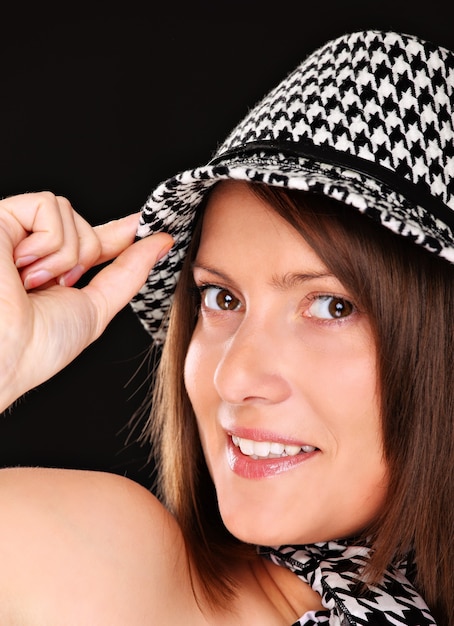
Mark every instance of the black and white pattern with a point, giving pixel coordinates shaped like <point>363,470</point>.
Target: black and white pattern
<point>333,570</point>
<point>367,119</point>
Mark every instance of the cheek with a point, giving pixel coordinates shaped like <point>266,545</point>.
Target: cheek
<point>199,374</point>
<point>344,379</point>
<point>198,379</point>
<point>192,368</point>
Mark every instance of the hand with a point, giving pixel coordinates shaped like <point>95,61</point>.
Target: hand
<point>45,247</point>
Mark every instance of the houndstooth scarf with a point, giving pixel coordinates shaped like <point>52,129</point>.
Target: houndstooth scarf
<point>333,570</point>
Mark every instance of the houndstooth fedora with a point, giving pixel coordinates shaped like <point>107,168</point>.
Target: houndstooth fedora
<point>367,119</point>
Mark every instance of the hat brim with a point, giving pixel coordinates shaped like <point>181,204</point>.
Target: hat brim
<point>173,205</point>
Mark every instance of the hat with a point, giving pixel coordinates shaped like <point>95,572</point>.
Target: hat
<point>367,119</point>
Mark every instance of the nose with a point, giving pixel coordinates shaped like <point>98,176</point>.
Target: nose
<point>252,366</point>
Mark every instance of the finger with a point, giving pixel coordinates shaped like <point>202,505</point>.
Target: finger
<point>39,215</point>
<point>114,286</point>
<point>116,236</point>
<point>79,250</point>
<point>52,246</point>
<point>107,242</point>
<point>19,215</point>
<point>89,253</point>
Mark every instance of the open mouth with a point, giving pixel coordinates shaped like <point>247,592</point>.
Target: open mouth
<point>269,449</point>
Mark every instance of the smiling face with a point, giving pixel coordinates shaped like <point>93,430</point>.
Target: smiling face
<point>281,374</point>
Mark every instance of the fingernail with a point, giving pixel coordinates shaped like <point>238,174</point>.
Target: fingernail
<point>164,251</point>
<point>70,278</point>
<point>35,279</point>
<point>26,260</point>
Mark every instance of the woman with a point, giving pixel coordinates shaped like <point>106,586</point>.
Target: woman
<point>366,121</point>
<point>298,388</point>
<point>303,402</point>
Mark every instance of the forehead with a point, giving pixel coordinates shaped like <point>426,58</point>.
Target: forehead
<point>238,224</point>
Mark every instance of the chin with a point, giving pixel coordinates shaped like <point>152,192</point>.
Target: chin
<point>263,532</point>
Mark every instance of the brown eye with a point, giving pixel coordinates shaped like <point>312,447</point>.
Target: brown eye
<point>219,299</point>
<point>338,307</point>
<point>330,307</point>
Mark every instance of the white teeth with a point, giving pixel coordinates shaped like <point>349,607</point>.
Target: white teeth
<point>246,446</point>
<point>292,450</point>
<point>277,448</point>
<point>268,449</point>
<point>261,448</point>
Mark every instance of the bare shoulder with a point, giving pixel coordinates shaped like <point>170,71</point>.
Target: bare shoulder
<point>86,547</point>
<point>82,547</point>
<point>81,498</point>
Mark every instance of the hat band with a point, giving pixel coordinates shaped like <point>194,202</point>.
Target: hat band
<point>416,193</point>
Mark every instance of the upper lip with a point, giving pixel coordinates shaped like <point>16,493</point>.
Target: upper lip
<point>265,435</point>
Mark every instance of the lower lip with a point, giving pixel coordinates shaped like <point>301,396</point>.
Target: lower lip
<point>246,467</point>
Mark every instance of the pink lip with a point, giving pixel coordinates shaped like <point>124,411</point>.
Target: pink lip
<point>261,435</point>
<point>246,467</point>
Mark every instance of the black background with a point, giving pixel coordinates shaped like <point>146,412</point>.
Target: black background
<point>100,105</point>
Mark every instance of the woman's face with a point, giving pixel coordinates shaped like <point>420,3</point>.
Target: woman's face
<point>281,373</point>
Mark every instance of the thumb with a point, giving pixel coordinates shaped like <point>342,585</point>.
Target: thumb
<point>115,285</point>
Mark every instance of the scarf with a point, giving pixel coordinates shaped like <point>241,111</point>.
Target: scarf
<point>333,570</point>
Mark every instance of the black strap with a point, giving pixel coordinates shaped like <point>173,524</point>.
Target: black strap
<point>417,193</point>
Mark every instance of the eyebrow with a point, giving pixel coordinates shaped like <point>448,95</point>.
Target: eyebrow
<point>286,281</point>
<point>293,279</point>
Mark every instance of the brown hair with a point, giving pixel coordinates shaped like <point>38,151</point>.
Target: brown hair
<point>408,294</point>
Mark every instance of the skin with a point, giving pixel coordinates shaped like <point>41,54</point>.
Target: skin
<point>82,547</point>
<point>276,366</point>
<point>78,548</point>
<point>45,246</point>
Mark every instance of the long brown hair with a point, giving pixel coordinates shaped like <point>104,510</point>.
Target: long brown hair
<point>408,294</point>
